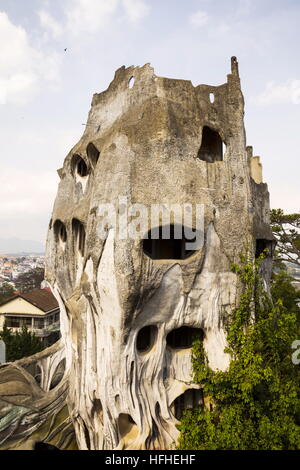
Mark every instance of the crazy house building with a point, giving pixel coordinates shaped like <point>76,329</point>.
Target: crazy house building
<point>131,306</point>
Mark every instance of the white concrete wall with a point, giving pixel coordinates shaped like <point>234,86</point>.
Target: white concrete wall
<point>20,306</point>
<point>17,307</point>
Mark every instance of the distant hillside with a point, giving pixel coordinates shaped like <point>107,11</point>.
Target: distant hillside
<point>17,246</point>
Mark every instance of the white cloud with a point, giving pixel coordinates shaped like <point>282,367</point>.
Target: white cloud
<point>23,68</point>
<point>223,28</point>
<point>244,7</point>
<point>88,16</point>
<point>18,87</point>
<point>26,192</point>
<point>135,9</point>
<point>199,18</point>
<point>49,23</point>
<point>288,92</point>
<point>28,187</point>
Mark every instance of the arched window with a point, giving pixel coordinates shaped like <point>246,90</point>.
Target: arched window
<point>128,429</point>
<point>146,338</point>
<point>183,338</point>
<point>131,82</point>
<point>58,374</point>
<point>211,149</point>
<point>92,153</point>
<point>79,167</point>
<point>78,235</point>
<point>60,232</point>
<point>264,246</point>
<point>189,400</point>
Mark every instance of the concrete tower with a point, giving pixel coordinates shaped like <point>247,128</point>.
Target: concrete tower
<point>130,307</point>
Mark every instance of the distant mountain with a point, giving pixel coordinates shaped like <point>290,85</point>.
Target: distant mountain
<point>17,246</point>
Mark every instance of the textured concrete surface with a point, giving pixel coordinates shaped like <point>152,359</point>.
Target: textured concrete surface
<point>157,142</point>
<point>149,139</point>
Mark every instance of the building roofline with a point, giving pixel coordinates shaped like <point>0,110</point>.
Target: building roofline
<point>15,296</point>
<point>36,315</point>
<point>24,297</point>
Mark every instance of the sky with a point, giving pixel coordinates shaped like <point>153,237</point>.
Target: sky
<point>46,92</point>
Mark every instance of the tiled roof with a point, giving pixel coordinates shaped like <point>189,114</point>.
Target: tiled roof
<point>40,298</point>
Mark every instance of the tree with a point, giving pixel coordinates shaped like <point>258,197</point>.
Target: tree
<point>20,344</point>
<point>30,280</point>
<point>286,229</point>
<point>6,291</point>
<point>255,404</point>
<point>283,290</point>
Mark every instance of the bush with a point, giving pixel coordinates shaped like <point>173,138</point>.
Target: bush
<point>20,344</point>
<point>256,402</point>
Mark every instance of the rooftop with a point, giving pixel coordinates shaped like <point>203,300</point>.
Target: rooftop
<point>40,298</point>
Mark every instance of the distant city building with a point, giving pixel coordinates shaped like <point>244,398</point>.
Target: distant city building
<point>36,309</point>
<point>11,267</point>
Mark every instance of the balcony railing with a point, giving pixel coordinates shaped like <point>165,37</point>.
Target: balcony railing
<point>39,332</point>
<point>45,331</point>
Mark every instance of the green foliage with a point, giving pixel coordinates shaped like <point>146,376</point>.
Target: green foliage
<point>255,404</point>
<point>286,229</point>
<point>282,289</point>
<point>20,344</point>
<point>6,291</point>
<point>30,280</point>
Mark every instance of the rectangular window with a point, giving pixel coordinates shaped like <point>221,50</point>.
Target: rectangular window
<point>39,323</point>
<point>26,321</point>
<point>12,322</point>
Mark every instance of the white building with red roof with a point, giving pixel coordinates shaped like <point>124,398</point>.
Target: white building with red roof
<point>38,310</point>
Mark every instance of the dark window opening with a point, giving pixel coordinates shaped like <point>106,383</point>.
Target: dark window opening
<point>60,231</point>
<point>146,338</point>
<point>211,149</point>
<point>58,374</point>
<point>263,247</point>
<point>79,166</point>
<point>97,406</point>
<point>131,82</point>
<point>79,235</point>
<point>38,375</point>
<point>92,153</point>
<point>189,400</point>
<point>18,322</point>
<point>127,425</point>
<point>168,242</point>
<point>26,321</point>
<point>12,322</point>
<point>39,323</point>
<point>183,338</point>
<point>97,409</point>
